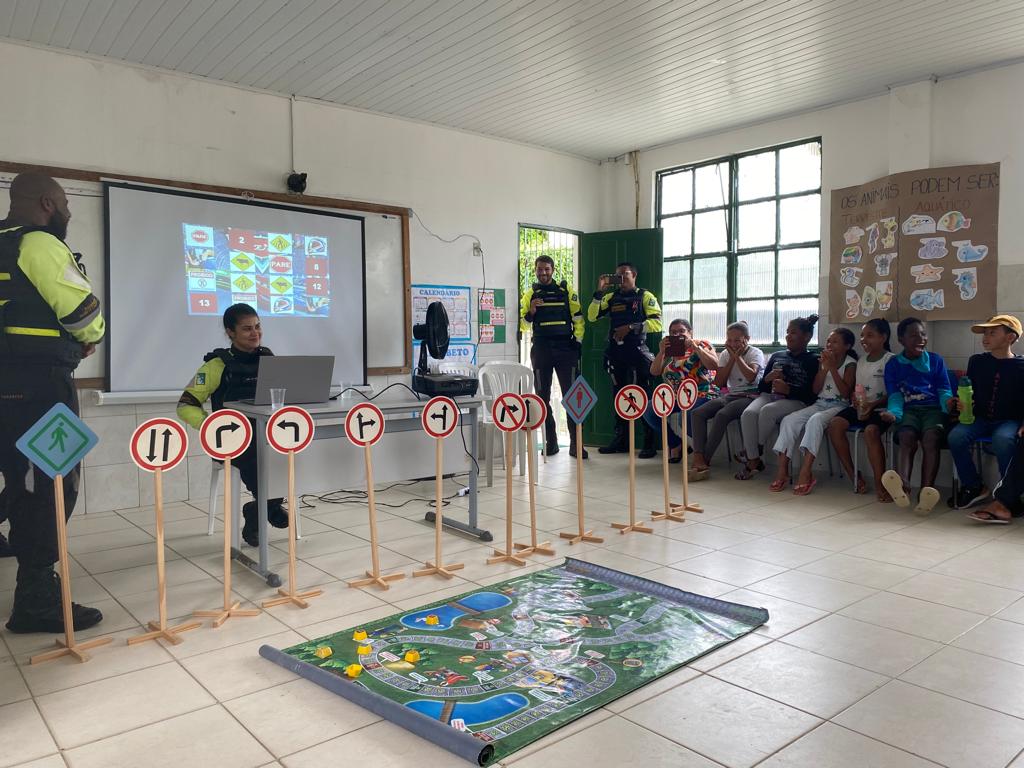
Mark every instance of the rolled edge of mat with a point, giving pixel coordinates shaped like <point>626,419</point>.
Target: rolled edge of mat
<point>459,742</point>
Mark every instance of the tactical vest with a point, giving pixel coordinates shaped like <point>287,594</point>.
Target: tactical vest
<point>238,382</point>
<point>626,309</point>
<point>553,319</point>
<point>29,329</point>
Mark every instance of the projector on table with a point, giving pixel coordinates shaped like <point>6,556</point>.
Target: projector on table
<point>433,337</point>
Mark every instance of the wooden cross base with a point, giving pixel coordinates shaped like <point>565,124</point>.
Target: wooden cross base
<point>442,570</point>
<point>77,650</point>
<point>296,598</point>
<point>170,634</point>
<point>688,507</point>
<point>677,516</point>
<point>543,548</point>
<point>505,557</point>
<point>219,617</point>
<point>627,527</point>
<point>576,538</point>
<point>378,579</point>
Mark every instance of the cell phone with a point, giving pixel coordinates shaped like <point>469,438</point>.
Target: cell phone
<point>614,279</point>
<point>676,346</point>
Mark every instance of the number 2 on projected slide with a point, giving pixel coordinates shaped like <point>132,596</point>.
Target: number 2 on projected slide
<point>280,274</point>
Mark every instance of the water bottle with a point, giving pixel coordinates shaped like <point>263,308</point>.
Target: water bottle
<point>778,366</point>
<point>965,394</point>
<point>860,397</point>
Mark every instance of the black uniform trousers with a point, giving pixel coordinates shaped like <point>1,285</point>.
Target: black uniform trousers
<point>27,391</point>
<point>629,364</point>
<point>247,467</point>
<point>548,358</point>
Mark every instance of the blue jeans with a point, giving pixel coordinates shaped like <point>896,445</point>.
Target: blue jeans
<point>1004,443</point>
<point>654,422</point>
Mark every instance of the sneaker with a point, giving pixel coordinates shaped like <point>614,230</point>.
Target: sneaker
<point>968,497</point>
<point>572,452</point>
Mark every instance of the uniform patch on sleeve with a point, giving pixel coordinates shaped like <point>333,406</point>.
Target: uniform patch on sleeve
<point>200,380</point>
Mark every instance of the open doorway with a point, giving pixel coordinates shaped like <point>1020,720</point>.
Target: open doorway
<point>563,246</point>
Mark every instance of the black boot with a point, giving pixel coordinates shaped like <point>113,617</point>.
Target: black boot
<point>250,531</point>
<point>37,604</point>
<point>618,443</point>
<point>572,451</point>
<point>276,514</point>
<point>649,450</point>
<point>5,547</point>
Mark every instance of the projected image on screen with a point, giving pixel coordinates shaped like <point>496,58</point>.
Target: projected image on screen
<point>281,274</point>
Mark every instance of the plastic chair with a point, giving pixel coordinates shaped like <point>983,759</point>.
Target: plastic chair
<point>496,377</point>
<point>857,430</point>
<point>236,478</point>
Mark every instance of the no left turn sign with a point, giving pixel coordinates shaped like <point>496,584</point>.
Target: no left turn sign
<point>225,434</point>
<point>536,411</point>
<point>631,402</point>
<point>158,444</point>
<point>663,400</point>
<point>439,417</point>
<point>364,424</point>
<point>290,429</point>
<point>508,412</point>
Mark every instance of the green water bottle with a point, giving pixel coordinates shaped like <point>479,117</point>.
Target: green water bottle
<point>965,394</point>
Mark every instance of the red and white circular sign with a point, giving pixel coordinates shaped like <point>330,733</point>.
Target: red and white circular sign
<point>225,434</point>
<point>290,429</point>
<point>158,444</point>
<point>663,400</point>
<point>631,402</point>
<point>364,424</point>
<point>508,412</point>
<point>439,417</point>
<point>536,411</point>
<point>687,395</point>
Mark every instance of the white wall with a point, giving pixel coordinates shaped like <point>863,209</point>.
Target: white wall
<point>70,111</point>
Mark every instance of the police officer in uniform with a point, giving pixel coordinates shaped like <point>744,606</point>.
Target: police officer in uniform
<point>49,321</point>
<point>226,375</point>
<point>554,312</point>
<point>633,313</point>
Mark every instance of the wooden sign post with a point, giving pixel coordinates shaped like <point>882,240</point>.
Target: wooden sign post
<point>290,431</point>
<point>508,411</point>
<point>630,404</point>
<point>578,402</point>
<point>439,417</point>
<point>364,426</point>
<point>224,435</point>
<point>686,396</point>
<point>55,444</point>
<point>156,446</point>
<point>663,401</point>
<point>536,413</point>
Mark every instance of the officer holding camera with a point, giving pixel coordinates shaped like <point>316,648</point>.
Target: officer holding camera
<point>633,313</point>
<point>554,312</point>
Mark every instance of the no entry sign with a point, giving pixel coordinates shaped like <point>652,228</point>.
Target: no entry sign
<point>158,444</point>
<point>631,402</point>
<point>290,429</point>
<point>225,434</point>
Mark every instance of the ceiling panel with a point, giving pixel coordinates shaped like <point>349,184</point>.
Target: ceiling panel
<point>594,78</point>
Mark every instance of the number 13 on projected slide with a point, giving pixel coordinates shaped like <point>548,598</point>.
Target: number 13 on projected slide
<point>278,273</point>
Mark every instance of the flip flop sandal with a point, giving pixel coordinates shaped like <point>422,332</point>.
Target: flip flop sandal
<point>862,486</point>
<point>926,501</point>
<point>803,489</point>
<point>778,485</point>
<point>893,483</point>
<point>696,475</point>
<point>990,519</point>
<point>746,472</point>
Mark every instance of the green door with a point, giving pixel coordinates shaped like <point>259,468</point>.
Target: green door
<point>600,253</point>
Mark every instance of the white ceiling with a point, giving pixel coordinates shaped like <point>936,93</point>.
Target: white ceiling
<point>594,78</point>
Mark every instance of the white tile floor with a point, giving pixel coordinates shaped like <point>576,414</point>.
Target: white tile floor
<point>894,641</point>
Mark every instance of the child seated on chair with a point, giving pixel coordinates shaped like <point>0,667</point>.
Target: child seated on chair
<point>997,379</point>
<point>918,385</point>
<point>833,383</point>
<point>1007,496</point>
<point>874,340</point>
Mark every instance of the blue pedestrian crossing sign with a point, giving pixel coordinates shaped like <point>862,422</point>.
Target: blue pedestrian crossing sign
<point>579,400</point>
<point>58,441</point>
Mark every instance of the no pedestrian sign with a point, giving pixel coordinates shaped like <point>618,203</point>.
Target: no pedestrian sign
<point>58,441</point>
<point>508,412</point>
<point>439,417</point>
<point>225,434</point>
<point>579,400</point>
<point>364,424</point>
<point>631,402</point>
<point>158,444</point>
<point>290,429</point>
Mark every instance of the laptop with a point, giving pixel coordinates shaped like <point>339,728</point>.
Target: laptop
<point>306,379</point>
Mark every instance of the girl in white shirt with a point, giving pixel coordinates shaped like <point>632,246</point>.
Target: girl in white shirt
<point>834,384</point>
<point>874,339</point>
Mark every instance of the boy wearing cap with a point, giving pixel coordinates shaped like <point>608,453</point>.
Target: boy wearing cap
<point>997,378</point>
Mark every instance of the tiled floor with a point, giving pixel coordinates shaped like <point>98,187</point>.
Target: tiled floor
<point>893,641</point>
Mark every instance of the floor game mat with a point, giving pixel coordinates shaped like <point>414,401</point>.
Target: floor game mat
<point>488,672</point>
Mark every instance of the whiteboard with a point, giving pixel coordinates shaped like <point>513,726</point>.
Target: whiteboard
<point>385,288</point>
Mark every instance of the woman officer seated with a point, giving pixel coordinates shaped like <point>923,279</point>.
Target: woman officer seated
<point>226,375</point>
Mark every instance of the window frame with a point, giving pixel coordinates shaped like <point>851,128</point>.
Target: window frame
<point>733,251</point>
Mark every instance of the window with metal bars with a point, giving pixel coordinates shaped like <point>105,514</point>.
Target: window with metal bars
<point>742,240</point>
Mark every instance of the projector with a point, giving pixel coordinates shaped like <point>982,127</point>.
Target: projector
<point>448,384</point>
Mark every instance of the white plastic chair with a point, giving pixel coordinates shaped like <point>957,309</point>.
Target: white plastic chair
<point>496,377</point>
<point>236,477</point>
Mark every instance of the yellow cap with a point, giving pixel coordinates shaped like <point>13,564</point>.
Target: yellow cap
<point>359,634</point>
<point>1008,321</point>
<point>353,670</point>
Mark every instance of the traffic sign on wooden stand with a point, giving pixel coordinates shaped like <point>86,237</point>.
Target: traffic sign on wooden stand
<point>55,444</point>
<point>663,402</point>
<point>290,431</point>
<point>156,446</point>
<point>578,401</point>
<point>508,411</point>
<point>439,417</point>
<point>630,404</point>
<point>686,397</point>
<point>224,435</point>
<point>536,415</point>
<point>364,426</point>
